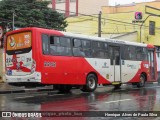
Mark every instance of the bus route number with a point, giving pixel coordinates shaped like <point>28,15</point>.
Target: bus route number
<point>49,64</point>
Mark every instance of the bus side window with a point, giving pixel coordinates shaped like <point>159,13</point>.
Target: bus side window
<point>45,44</point>
<point>99,50</point>
<point>54,42</point>
<point>65,46</point>
<point>60,46</point>
<point>132,53</point>
<point>77,48</point>
<point>129,52</point>
<point>86,45</point>
<point>106,51</point>
<point>144,54</point>
<point>141,53</point>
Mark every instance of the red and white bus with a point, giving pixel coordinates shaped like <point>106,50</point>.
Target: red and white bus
<point>37,56</point>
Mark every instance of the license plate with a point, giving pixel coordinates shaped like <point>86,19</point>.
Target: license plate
<point>116,83</point>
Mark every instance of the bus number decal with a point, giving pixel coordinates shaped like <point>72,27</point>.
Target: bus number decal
<point>9,60</point>
<point>49,64</point>
<point>28,59</point>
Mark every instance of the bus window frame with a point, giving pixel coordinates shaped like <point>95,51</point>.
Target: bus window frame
<point>124,53</point>
<point>99,49</point>
<point>42,44</point>
<point>49,52</point>
<point>81,53</point>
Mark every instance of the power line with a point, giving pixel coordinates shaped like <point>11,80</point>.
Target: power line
<point>84,14</point>
<point>93,16</point>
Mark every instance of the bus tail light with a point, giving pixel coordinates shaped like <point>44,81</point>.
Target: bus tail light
<point>33,68</point>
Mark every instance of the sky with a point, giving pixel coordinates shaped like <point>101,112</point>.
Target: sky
<point>114,2</point>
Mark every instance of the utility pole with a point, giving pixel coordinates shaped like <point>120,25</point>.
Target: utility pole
<point>99,24</point>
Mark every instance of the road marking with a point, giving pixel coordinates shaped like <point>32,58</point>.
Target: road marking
<point>24,97</point>
<point>118,101</point>
<point>153,87</point>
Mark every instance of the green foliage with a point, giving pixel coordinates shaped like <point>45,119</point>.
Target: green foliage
<point>31,13</point>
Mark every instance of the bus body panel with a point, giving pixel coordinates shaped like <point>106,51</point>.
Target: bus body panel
<point>130,69</point>
<point>68,70</point>
<point>143,67</point>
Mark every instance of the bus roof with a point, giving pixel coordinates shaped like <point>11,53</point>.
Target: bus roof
<point>50,31</point>
<point>107,40</point>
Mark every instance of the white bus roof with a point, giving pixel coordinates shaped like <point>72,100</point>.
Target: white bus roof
<point>104,39</point>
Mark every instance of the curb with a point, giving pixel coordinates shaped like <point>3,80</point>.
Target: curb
<point>12,91</point>
<point>23,91</point>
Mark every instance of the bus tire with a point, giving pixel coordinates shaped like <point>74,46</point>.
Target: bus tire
<point>91,83</point>
<point>141,81</point>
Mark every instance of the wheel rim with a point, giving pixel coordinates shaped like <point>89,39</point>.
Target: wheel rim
<point>142,80</point>
<point>91,83</point>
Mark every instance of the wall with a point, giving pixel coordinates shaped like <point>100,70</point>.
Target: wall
<point>87,7</point>
<point>90,7</point>
<point>132,37</point>
<point>128,8</point>
<point>88,24</point>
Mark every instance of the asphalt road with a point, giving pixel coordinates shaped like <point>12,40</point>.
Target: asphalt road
<point>103,100</point>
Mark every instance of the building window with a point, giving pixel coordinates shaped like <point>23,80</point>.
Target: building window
<point>151,28</point>
<point>60,1</point>
<point>72,0</point>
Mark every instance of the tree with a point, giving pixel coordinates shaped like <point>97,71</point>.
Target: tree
<point>30,13</point>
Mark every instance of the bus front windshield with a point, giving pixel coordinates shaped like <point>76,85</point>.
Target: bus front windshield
<point>19,43</point>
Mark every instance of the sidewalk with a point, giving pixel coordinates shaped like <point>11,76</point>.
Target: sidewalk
<point>6,89</point>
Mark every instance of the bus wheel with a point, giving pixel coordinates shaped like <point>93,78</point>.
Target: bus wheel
<point>91,83</point>
<point>141,81</point>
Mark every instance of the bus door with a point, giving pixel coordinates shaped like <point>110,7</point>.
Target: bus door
<point>114,52</point>
<point>152,64</point>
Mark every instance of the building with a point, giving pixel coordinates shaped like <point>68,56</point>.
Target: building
<point>78,7</point>
<point>119,22</point>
